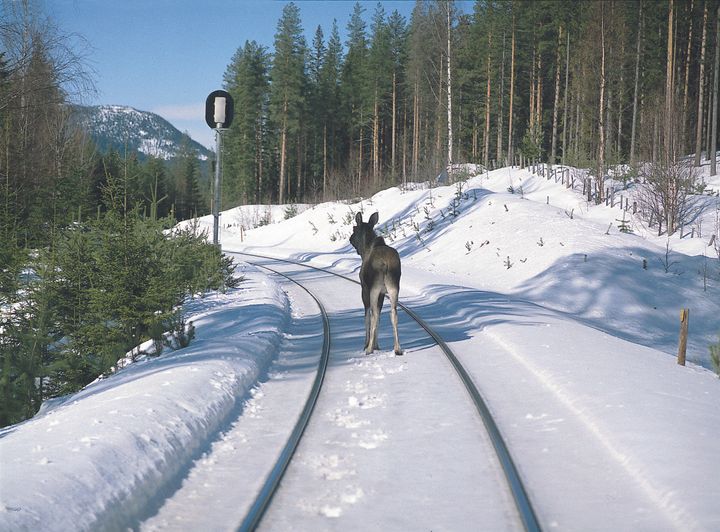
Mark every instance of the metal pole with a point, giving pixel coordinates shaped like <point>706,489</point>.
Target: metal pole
<point>216,202</point>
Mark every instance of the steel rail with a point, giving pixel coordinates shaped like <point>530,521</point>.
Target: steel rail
<point>266,493</point>
<point>517,489</point>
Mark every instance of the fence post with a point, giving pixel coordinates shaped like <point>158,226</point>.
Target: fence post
<point>682,347</point>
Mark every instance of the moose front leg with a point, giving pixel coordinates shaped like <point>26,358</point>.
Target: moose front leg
<point>366,303</point>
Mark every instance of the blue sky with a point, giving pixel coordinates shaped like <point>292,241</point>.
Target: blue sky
<point>166,56</point>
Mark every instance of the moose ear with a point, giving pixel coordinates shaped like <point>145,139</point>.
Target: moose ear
<point>373,219</point>
<point>358,218</point>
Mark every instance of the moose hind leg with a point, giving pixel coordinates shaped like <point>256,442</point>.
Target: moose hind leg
<point>393,293</point>
<point>368,313</point>
<point>380,300</point>
<point>374,320</point>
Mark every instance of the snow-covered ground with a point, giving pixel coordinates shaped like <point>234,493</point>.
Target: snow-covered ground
<point>568,326</point>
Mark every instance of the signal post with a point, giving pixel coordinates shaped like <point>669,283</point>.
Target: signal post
<point>219,111</point>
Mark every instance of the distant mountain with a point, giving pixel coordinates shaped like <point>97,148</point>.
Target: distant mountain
<point>117,127</point>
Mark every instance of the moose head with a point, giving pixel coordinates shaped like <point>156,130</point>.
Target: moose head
<point>379,275</point>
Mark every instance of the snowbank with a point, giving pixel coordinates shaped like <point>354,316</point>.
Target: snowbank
<point>116,448</point>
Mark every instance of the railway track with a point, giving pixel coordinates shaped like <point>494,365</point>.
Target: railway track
<point>254,515</point>
<point>520,497</point>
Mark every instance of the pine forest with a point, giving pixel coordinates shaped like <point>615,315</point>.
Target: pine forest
<point>598,85</point>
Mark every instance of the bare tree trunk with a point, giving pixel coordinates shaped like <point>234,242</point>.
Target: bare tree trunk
<point>416,129</point>
<point>376,139</point>
<point>608,121</point>
<point>619,117</point>
<point>701,90</point>
<point>425,127</point>
<point>688,57</point>
<point>394,123</point>
<point>601,114</point>
<point>556,104</point>
<point>531,122</point>
<point>360,155</point>
<point>713,141</point>
<point>708,114</point>
<point>637,83</point>
<point>299,191</point>
<point>578,121</point>
<point>475,140</point>
<point>500,105</point>
<point>512,92</point>
<point>258,163</point>
<point>404,144</point>
<point>565,103</point>
<point>669,133</point>
<point>449,94</point>
<point>438,116</point>
<point>283,156</point>
<point>538,93</point>
<point>655,138</point>
<point>486,138</point>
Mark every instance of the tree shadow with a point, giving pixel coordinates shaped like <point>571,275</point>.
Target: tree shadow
<point>612,292</point>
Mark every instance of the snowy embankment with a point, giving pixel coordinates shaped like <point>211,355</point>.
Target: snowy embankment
<point>541,242</point>
<point>110,452</point>
<point>568,325</point>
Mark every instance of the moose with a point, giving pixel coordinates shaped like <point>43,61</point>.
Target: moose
<point>379,274</point>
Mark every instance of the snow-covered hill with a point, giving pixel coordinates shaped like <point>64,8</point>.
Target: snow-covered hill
<point>120,127</point>
<point>543,242</point>
<point>568,325</point>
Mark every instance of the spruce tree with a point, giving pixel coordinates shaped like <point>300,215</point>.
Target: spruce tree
<point>356,94</point>
<point>317,116</point>
<point>380,68</point>
<point>245,145</point>
<point>287,96</point>
<point>330,109</point>
<point>397,28</point>
<point>188,198</point>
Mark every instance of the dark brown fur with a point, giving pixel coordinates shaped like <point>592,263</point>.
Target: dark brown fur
<point>379,274</point>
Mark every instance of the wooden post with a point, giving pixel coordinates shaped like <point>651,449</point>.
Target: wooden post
<point>682,347</point>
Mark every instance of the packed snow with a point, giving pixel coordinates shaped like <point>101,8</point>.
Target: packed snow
<point>568,326</point>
